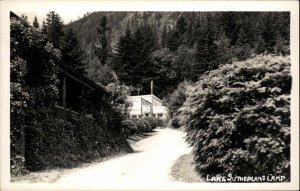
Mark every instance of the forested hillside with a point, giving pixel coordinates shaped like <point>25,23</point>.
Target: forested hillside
<point>170,47</point>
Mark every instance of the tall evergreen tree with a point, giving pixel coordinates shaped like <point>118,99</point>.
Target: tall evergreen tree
<point>124,59</point>
<point>190,37</point>
<point>44,28</point>
<point>181,25</point>
<point>102,44</point>
<point>282,45</point>
<point>53,28</point>
<point>242,49</point>
<point>71,47</point>
<point>229,21</point>
<point>184,59</point>
<point>207,50</point>
<point>164,35</point>
<point>133,58</point>
<point>35,23</point>
<point>101,50</point>
<point>269,32</point>
<point>177,34</point>
<point>283,20</point>
<point>163,71</point>
<point>145,42</point>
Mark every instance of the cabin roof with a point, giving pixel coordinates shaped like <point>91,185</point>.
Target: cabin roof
<point>81,77</point>
<point>148,95</point>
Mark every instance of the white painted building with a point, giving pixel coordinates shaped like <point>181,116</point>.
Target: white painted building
<point>141,107</point>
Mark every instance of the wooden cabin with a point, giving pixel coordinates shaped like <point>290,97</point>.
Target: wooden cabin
<point>77,93</point>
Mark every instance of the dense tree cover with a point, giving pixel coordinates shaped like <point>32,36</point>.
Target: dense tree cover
<point>237,118</point>
<point>171,47</point>
<point>132,58</point>
<point>176,36</point>
<point>66,41</point>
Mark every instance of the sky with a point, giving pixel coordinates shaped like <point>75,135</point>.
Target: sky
<point>67,13</point>
<point>71,10</point>
<point>67,18</point>
<point>68,10</point>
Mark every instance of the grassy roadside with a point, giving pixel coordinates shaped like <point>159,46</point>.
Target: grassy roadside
<point>51,176</point>
<point>183,170</point>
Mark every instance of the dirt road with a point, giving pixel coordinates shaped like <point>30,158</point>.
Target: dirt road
<point>148,167</point>
<point>150,164</point>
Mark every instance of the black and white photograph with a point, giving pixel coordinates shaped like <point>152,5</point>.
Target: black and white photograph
<point>153,95</point>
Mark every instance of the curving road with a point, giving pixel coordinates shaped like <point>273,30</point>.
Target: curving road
<point>147,168</point>
<point>149,165</point>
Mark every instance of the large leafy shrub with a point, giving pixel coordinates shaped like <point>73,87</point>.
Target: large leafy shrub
<point>174,102</point>
<point>237,118</point>
<point>147,124</point>
<point>33,86</point>
<point>119,97</point>
<point>140,125</point>
<point>176,99</point>
<point>129,127</point>
<point>160,122</point>
<point>174,123</point>
<point>62,143</point>
<point>152,121</point>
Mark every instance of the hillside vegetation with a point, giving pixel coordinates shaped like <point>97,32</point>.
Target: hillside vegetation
<point>170,47</point>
